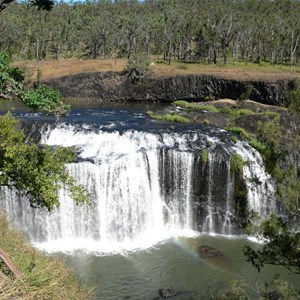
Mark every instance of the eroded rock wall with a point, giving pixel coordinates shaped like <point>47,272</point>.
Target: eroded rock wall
<point>116,86</point>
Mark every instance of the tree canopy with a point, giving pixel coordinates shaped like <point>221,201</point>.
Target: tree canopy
<point>186,30</point>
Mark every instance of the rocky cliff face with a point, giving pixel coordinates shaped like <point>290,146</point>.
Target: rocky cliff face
<point>116,86</point>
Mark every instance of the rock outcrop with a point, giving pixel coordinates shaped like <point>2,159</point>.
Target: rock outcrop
<point>116,86</point>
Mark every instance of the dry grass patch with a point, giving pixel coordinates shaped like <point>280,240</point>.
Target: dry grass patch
<point>43,278</point>
<point>54,68</point>
<point>240,71</point>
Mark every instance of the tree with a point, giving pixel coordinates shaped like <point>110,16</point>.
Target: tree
<point>38,172</point>
<point>281,245</point>
<point>41,4</point>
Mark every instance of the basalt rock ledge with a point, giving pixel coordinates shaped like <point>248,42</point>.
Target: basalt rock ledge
<point>117,86</point>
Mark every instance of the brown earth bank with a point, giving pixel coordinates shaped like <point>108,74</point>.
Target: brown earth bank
<point>117,86</point>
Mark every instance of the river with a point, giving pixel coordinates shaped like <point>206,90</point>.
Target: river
<point>151,206</point>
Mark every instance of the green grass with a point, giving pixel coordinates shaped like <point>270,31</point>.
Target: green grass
<point>238,130</point>
<point>236,163</point>
<point>272,114</point>
<point>43,277</point>
<point>168,117</point>
<point>204,156</point>
<point>260,147</point>
<point>196,106</point>
<point>236,113</point>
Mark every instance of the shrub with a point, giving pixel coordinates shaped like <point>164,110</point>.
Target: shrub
<point>258,145</point>
<point>45,99</point>
<point>247,92</point>
<point>137,67</point>
<point>209,98</point>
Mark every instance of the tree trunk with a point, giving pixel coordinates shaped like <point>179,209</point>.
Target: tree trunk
<point>7,261</point>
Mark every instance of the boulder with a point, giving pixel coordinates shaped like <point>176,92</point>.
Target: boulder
<point>206,251</point>
<point>167,292</point>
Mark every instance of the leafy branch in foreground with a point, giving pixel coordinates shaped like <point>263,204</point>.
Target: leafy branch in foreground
<point>281,245</point>
<point>38,172</point>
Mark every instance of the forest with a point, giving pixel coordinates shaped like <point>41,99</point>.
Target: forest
<point>203,31</point>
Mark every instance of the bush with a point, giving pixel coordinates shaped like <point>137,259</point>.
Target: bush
<point>45,99</point>
<point>260,147</point>
<point>137,67</point>
<point>11,78</point>
<point>247,92</point>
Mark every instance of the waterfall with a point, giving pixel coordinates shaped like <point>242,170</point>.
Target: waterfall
<point>143,189</point>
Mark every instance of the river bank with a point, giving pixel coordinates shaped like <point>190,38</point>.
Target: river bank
<point>41,277</point>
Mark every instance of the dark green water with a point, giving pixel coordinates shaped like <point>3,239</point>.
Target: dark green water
<point>174,264</point>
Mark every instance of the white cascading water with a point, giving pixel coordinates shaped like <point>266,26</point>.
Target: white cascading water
<point>260,186</point>
<point>227,225</point>
<point>209,224</point>
<point>129,208</point>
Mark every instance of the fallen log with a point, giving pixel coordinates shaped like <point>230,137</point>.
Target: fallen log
<point>9,264</point>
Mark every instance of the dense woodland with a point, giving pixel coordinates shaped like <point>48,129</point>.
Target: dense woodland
<point>210,31</point>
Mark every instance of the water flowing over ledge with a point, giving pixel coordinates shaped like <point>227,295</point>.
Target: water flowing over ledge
<point>146,187</point>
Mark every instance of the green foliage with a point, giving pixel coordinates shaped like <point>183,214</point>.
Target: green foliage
<point>42,98</point>
<point>260,147</point>
<point>11,78</point>
<point>272,114</point>
<point>247,92</point>
<point>37,172</point>
<point>43,277</point>
<point>209,98</point>
<point>137,67</point>
<point>295,98</point>
<point>236,113</point>
<point>204,156</point>
<point>168,117</point>
<point>238,130</point>
<point>288,187</point>
<point>269,134</point>
<point>237,290</point>
<point>236,163</point>
<point>281,245</point>
<point>45,99</point>
<point>196,106</point>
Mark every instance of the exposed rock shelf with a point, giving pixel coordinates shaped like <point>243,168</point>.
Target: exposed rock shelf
<point>116,86</point>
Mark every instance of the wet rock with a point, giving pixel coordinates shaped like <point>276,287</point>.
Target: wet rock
<point>206,251</point>
<point>167,292</point>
